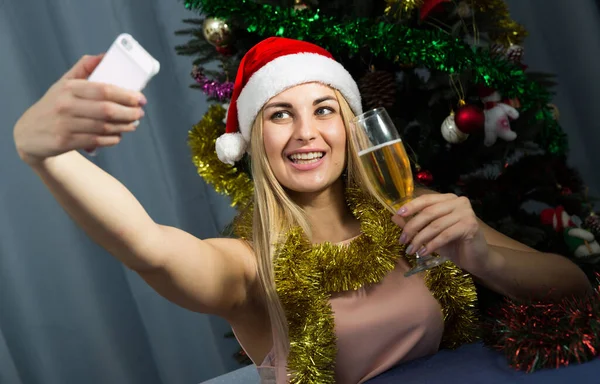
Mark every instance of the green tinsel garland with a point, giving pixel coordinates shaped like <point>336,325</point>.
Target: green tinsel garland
<point>432,49</point>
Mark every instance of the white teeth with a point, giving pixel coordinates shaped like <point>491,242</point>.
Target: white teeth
<point>307,156</point>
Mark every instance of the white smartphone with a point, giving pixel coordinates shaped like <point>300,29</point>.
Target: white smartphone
<point>126,64</point>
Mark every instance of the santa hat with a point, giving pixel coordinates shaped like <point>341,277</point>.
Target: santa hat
<point>269,68</point>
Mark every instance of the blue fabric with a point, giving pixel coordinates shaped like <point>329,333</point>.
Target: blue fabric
<point>470,364</point>
<point>475,363</point>
<point>246,375</point>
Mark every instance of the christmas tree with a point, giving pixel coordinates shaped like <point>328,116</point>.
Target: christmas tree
<point>453,76</point>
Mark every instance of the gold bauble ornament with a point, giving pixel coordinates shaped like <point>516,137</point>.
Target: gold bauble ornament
<point>555,111</point>
<point>217,32</point>
<point>300,5</point>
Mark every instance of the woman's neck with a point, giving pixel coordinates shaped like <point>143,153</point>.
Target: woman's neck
<point>328,215</point>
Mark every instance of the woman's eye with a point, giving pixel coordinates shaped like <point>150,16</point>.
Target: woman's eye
<point>280,115</point>
<point>323,111</point>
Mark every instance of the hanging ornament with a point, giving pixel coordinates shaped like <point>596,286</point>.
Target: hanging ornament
<point>378,89</point>
<point>515,53</point>
<point>498,115</point>
<point>425,177</point>
<point>558,218</point>
<point>300,5</point>
<point>429,6</point>
<point>469,118</point>
<point>592,224</point>
<point>450,131</point>
<point>566,191</point>
<point>225,51</point>
<point>463,10</point>
<point>555,111</point>
<point>582,244</point>
<point>217,32</point>
<point>511,52</point>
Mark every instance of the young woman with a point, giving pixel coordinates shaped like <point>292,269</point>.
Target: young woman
<point>290,111</point>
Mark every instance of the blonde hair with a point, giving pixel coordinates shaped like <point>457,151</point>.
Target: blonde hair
<point>275,213</point>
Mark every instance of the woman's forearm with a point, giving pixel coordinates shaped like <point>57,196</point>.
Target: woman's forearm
<point>526,276</point>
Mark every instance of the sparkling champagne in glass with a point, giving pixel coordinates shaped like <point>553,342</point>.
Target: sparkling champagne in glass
<point>387,167</point>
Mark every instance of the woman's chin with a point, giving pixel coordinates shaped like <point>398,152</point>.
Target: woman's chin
<point>304,188</point>
<point>309,186</point>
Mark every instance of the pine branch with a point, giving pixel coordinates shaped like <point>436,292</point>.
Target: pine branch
<point>189,31</point>
<point>194,21</point>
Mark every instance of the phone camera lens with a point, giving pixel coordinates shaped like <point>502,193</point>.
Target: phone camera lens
<point>125,44</point>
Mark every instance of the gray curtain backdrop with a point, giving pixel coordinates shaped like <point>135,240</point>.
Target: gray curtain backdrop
<point>69,313</point>
<point>564,39</point>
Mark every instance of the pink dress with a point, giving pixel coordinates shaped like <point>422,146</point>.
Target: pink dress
<point>379,326</point>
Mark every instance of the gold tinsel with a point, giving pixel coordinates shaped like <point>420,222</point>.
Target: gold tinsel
<point>398,8</point>
<point>506,30</point>
<point>455,291</point>
<point>306,275</point>
<point>224,178</point>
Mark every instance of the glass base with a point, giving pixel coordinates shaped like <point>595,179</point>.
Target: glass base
<point>425,263</point>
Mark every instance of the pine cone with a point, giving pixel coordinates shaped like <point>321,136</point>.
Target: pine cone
<point>378,89</point>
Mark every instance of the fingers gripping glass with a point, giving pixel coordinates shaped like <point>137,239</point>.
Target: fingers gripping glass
<point>387,166</point>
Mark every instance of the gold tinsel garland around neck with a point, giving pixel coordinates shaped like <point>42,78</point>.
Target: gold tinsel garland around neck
<point>306,275</point>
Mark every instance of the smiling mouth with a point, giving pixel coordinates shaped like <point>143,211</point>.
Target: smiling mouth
<point>306,158</point>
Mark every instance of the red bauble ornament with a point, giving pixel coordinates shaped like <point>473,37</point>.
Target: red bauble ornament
<point>430,5</point>
<point>425,177</point>
<point>225,50</point>
<point>469,119</point>
<point>566,191</point>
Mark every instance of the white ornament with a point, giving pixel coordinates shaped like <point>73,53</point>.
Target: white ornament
<point>497,120</point>
<point>451,133</point>
<point>590,246</point>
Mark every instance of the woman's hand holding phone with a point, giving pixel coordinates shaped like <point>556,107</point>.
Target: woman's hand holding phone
<point>77,114</point>
<point>91,106</point>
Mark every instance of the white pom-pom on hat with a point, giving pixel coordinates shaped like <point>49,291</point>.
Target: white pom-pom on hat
<point>230,147</point>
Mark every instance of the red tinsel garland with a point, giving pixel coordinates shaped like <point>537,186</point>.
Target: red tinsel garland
<point>539,335</point>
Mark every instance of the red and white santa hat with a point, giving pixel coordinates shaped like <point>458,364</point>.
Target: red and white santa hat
<point>269,68</point>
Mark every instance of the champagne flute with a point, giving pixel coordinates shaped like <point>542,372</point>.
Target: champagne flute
<point>387,167</point>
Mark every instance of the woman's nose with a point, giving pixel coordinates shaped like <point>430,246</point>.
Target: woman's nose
<point>304,129</point>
